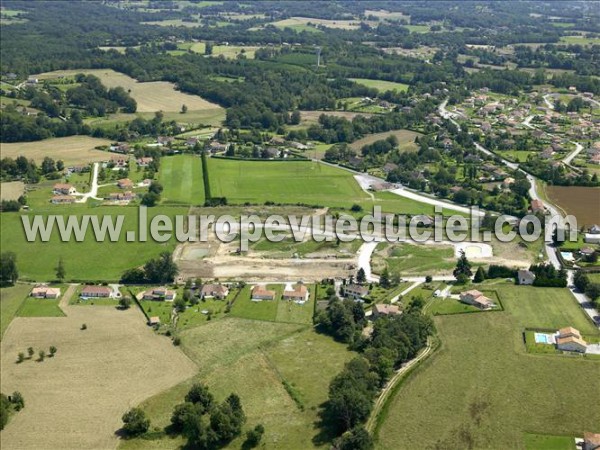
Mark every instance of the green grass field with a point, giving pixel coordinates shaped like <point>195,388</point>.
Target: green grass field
<point>181,178</point>
<point>255,359</point>
<point>381,85</point>
<point>245,308</point>
<point>549,442</point>
<point>87,260</point>
<point>40,307</point>
<point>11,299</point>
<point>482,390</point>
<point>407,259</point>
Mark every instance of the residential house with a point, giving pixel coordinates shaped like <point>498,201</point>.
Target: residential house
<point>383,310</point>
<point>154,320</point>
<point>591,441</point>
<point>525,277</point>
<point>298,146</point>
<point>120,147</point>
<point>91,291</point>
<point>507,182</point>
<point>125,183</point>
<point>275,140</point>
<point>217,147</point>
<point>144,161</point>
<point>260,293</point>
<point>62,199</point>
<point>477,299</point>
<point>159,293</point>
<point>356,291</point>
<point>64,189</point>
<point>218,291</point>
<point>537,206</point>
<point>120,161</point>
<point>587,251</point>
<point>298,294</point>
<point>126,196</point>
<point>594,229</point>
<point>389,167</point>
<point>191,142</point>
<point>165,140</point>
<point>569,339</point>
<point>44,292</point>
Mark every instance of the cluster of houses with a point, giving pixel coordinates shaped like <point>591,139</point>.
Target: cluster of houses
<point>298,293</point>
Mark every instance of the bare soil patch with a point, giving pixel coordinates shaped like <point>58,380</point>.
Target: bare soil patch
<point>12,190</point>
<point>580,201</point>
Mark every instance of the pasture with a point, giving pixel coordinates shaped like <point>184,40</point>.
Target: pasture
<point>406,139</point>
<point>181,178</point>
<point>95,363</point>
<point>12,190</point>
<point>150,96</point>
<point>227,51</point>
<point>409,259</point>
<point>498,392</point>
<point>72,150</point>
<point>578,201</point>
<point>11,299</point>
<point>86,260</point>
<point>381,85</point>
<point>271,362</point>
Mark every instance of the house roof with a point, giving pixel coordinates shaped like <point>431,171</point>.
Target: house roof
<point>62,186</point>
<point>154,320</point>
<point>262,292</point>
<point>591,438</point>
<point>218,288</point>
<point>96,290</point>
<point>571,339</point>
<point>298,291</point>
<point>567,331</point>
<point>537,204</point>
<point>357,289</point>
<point>523,273</point>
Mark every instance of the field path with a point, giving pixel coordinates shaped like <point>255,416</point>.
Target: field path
<point>66,297</point>
<point>386,391</point>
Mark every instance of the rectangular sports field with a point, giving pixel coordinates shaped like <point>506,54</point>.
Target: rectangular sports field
<point>181,178</point>
<point>481,389</point>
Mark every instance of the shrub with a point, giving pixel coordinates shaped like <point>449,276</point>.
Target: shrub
<point>135,422</point>
<point>52,351</point>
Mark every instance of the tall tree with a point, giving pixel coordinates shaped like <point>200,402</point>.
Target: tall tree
<point>8,269</point>
<point>60,270</point>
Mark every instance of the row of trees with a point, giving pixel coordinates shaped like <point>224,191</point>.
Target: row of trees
<point>158,270</point>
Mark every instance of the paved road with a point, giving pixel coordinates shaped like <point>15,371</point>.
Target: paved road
<point>93,193</point>
<point>574,153</point>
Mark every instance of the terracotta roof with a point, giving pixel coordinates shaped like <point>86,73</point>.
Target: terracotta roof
<point>569,331</point>
<point>386,309</point>
<point>62,186</point>
<point>592,439</point>
<point>260,291</point>
<point>299,291</point>
<point>96,290</point>
<point>567,340</point>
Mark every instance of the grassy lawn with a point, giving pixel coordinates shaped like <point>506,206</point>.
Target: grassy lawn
<point>445,404</point>
<point>181,177</point>
<point>265,363</point>
<point>11,299</point>
<point>442,306</point>
<point>86,260</point>
<point>290,312</point>
<point>381,85</point>
<point>267,310</point>
<point>40,307</point>
<point>549,442</point>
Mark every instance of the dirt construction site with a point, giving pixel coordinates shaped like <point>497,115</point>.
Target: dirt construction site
<point>76,399</point>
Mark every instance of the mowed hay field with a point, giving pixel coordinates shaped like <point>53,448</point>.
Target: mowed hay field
<point>381,85</point>
<point>151,96</point>
<point>11,299</point>
<point>181,177</point>
<point>254,359</point>
<point>76,399</point>
<point>282,182</point>
<point>295,22</point>
<point>482,390</point>
<point>406,139</point>
<point>12,190</point>
<point>582,202</point>
<point>72,150</point>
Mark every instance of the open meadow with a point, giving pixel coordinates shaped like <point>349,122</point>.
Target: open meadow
<point>406,139</point>
<point>381,85</point>
<point>150,96</point>
<point>280,371</point>
<point>86,260</point>
<point>72,150</point>
<point>482,390</point>
<point>97,363</point>
<point>181,178</point>
<point>11,299</point>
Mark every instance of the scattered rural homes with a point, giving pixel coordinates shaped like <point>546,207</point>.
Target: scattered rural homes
<point>45,292</point>
<point>260,293</point>
<point>384,310</point>
<point>90,291</point>
<point>125,183</point>
<point>477,299</point>
<point>356,292</point>
<point>298,294</point>
<point>62,199</point>
<point>569,339</point>
<point>159,293</point>
<point>218,291</point>
<point>64,189</point>
<point>525,277</point>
